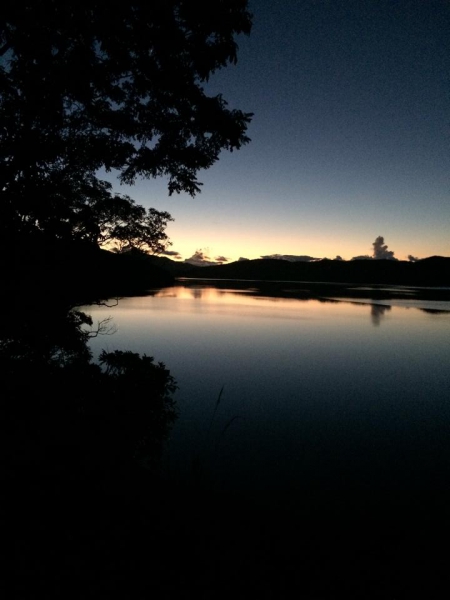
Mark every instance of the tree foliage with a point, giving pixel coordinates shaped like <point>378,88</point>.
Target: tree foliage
<point>84,87</point>
<point>117,222</point>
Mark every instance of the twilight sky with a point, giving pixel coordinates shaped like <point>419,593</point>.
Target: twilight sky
<point>350,136</point>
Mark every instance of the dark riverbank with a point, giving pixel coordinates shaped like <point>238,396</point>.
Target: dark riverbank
<point>75,274</point>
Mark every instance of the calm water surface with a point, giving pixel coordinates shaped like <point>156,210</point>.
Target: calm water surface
<point>335,393</point>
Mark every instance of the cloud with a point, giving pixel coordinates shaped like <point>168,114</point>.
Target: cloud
<point>173,253</point>
<point>221,259</point>
<point>380,250</point>
<point>201,259</point>
<point>290,257</point>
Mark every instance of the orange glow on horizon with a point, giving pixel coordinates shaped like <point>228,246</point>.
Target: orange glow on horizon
<point>319,249</point>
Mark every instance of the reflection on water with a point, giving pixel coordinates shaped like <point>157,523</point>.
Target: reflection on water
<point>313,389</point>
<point>377,312</point>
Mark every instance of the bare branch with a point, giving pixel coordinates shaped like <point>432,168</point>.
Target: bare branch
<point>103,328</point>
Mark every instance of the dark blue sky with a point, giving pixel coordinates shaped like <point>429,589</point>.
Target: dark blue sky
<point>350,135</point>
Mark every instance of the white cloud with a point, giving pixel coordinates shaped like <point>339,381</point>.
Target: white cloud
<point>380,250</point>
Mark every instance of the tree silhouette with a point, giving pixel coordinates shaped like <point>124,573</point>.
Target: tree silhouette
<point>84,87</point>
<point>116,221</point>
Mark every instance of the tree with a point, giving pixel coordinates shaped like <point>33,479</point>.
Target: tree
<point>116,221</point>
<point>132,226</point>
<point>84,87</point>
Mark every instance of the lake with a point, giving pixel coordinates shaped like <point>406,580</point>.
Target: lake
<point>298,397</point>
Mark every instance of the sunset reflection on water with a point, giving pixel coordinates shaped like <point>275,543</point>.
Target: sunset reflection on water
<point>238,303</point>
<point>352,374</point>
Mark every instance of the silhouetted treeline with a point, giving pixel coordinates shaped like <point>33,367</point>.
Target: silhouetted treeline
<point>433,271</point>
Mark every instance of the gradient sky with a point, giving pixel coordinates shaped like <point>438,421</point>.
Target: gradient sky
<point>350,136</point>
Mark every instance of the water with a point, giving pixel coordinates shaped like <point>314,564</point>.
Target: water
<point>318,396</point>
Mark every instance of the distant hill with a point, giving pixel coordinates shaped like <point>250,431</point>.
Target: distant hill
<point>175,268</point>
<point>144,269</point>
<point>432,271</point>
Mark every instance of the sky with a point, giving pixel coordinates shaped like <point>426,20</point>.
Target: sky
<point>349,139</point>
